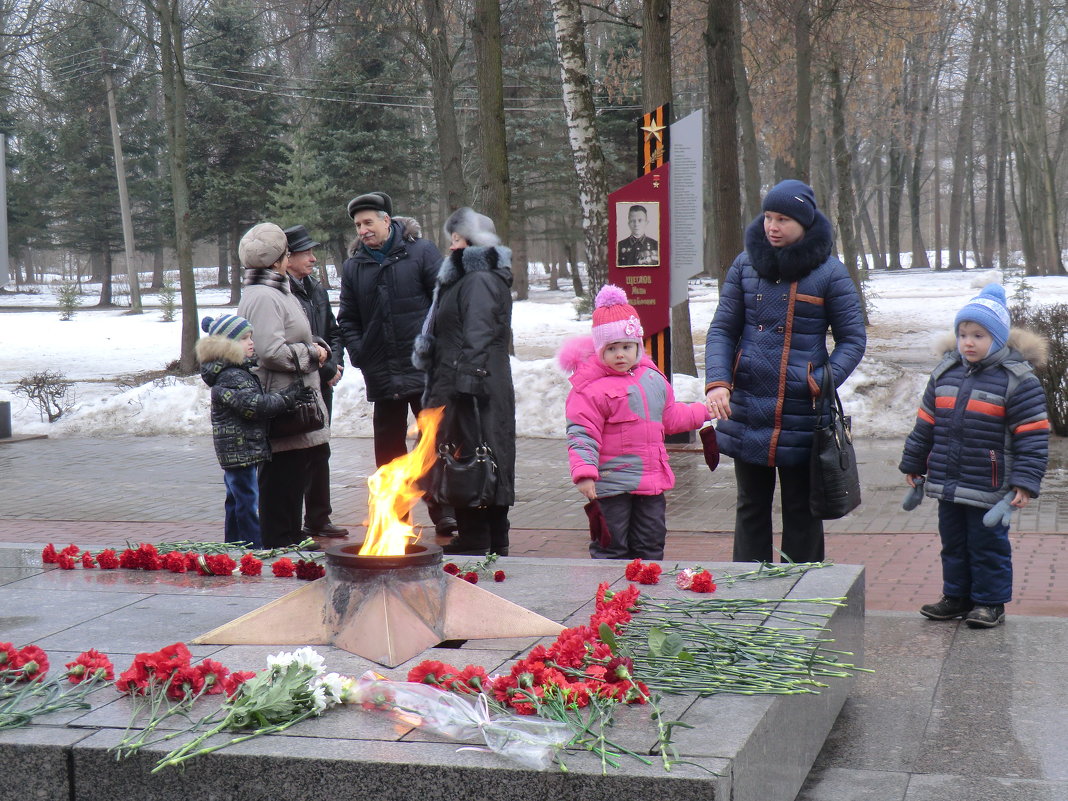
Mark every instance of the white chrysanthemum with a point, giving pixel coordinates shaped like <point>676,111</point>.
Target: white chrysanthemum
<point>332,683</point>
<point>310,658</point>
<point>280,661</point>
<point>318,698</point>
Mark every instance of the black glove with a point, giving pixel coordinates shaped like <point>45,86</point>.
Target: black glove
<point>296,393</point>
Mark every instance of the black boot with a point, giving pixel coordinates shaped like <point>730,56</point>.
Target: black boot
<point>947,608</point>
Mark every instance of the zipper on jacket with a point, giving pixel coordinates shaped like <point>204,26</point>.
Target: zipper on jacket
<point>993,468</point>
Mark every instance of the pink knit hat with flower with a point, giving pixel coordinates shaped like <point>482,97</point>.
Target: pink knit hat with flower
<point>614,320</point>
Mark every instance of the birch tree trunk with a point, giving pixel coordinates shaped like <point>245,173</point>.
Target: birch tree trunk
<point>582,134</point>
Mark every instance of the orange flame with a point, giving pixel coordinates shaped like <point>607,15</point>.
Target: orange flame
<point>393,491</point>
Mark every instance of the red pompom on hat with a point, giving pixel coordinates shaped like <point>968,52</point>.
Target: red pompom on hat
<point>615,320</point>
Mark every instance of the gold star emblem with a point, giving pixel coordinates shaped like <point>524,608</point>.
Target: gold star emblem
<point>653,131</point>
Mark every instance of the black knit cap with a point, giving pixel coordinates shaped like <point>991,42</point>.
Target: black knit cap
<point>373,201</point>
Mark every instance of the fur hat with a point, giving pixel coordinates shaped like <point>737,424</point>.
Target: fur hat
<point>262,245</point>
<point>615,320</point>
<point>989,309</point>
<point>373,201</point>
<point>477,229</point>
<point>793,198</point>
<point>230,326</point>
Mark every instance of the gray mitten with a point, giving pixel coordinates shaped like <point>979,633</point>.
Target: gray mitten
<point>914,496</point>
<point>1000,513</point>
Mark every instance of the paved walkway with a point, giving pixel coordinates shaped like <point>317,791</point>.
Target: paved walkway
<point>950,714</point>
<point>96,492</point>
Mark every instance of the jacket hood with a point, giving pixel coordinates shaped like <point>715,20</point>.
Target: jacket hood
<point>215,354</point>
<point>792,262</point>
<point>496,260</point>
<point>408,227</point>
<point>589,367</point>
<point>1029,346</point>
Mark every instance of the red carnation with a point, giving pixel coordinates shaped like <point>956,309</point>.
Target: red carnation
<point>65,561</point>
<point>702,582</point>
<point>499,576</point>
<point>219,564</point>
<point>71,550</point>
<point>309,570</point>
<point>451,569</point>
<point>650,574</point>
<point>431,672</point>
<point>250,565</point>
<point>48,554</point>
<point>32,661</point>
<point>633,570</point>
<point>8,654</point>
<point>214,675</point>
<point>471,576</point>
<point>88,562</point>
<point>129,559</point>
<point>236,679</point>
<point>174,561</point>
<point>107,559</point>
<point>89,664</point>
<point>284,567</point>
<point>185,680</point>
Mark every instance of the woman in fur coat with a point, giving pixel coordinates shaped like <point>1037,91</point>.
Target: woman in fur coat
<point>288,353</point>
<point>765,356</point>
<point>464,350</point>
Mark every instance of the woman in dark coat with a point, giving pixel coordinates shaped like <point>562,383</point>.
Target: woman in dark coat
<point>464,351</point>
<point>765,356</point>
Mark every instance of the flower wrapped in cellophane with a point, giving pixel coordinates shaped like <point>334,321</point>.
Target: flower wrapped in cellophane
<point>530,741</point>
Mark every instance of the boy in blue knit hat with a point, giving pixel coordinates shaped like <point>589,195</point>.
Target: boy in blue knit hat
<point>240,410</point>
<point>981,436</point>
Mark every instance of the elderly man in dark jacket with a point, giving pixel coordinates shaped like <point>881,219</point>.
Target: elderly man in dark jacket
<point>312,296</point>
<point>387,285</point>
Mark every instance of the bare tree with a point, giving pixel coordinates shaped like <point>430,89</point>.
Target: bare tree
<point>582,133</point>
<point>496,190</point>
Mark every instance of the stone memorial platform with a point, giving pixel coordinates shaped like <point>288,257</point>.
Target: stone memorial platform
<point>745,748</point>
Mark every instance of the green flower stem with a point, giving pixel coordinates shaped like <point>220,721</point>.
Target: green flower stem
<point>179,755</point>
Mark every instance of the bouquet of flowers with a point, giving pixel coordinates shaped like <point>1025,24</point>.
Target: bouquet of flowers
<point>532,742</point>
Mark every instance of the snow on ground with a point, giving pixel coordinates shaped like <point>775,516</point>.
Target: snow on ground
<point>104,351</point>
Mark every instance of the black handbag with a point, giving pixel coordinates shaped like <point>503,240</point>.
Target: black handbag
<point>306,416</point>
<point>465,482</point>
<point>835,482</point>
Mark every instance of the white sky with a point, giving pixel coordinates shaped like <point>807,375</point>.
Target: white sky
<point>97,349</point>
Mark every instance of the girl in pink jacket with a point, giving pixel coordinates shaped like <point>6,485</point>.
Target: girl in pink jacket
<point>618,411</point>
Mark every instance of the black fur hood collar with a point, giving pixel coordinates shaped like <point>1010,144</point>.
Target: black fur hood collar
<point>458,263</point>
<point>793,262</point>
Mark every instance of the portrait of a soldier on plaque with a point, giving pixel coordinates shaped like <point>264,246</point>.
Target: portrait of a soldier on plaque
<point>641,221</point>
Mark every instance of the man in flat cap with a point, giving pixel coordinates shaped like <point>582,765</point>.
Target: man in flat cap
<point>312,296</point>
<point>387,285</point>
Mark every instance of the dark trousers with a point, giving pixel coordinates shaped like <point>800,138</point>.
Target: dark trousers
<point>390,423</point>
<point>976,560</point>
<point>638,524</point>
<point>802,534</point>
<point>283,484</point>
<point>317,508</point>
<point>242,501</point>
<point>482,529</point>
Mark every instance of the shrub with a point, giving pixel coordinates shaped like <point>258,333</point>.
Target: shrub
<point>69,297</point>
<point>1052,323</point>
<point>49,391</point>
<point>167,301</point>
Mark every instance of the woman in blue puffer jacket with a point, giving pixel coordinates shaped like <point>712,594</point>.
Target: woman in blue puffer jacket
<point>765,356</point>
